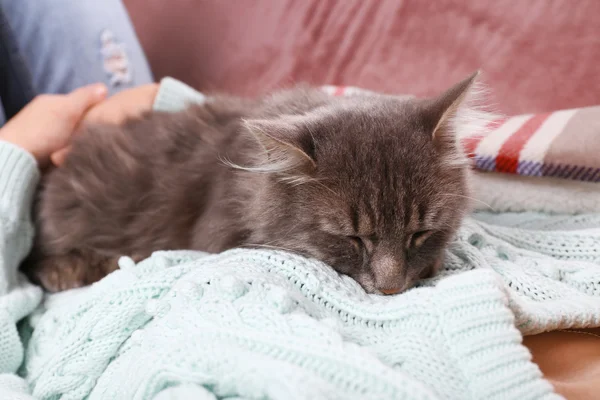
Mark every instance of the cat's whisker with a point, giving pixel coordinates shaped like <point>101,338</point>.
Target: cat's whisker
<point>296,180</point>
<point>321,184</point>
<point>310,131</point>
<point>290,230</point>
<point>227,162</point>
<point>268,247</point>
<point>470,198</point>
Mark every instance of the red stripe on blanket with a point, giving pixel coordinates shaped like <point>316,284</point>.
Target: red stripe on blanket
<point>507,159</point>
<point>470,143</point>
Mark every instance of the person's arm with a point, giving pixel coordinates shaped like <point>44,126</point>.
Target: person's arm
<point>19,176</point>
<point>174,95</point>
<point>26,142</point>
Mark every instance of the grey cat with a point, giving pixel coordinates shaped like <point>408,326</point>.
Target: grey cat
<point>374,186</point>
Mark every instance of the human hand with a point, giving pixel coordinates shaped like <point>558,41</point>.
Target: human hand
<point>115,110</point>
<point>48,122</point>
<point>129,103</point>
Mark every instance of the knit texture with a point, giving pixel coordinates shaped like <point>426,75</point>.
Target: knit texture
<point>264,324</point>
<point>250,324</point>
<point>174,95</point>
<point>18,298</point>
<point>516,193</point>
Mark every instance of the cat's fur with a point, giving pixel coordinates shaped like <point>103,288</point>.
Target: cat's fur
<point>374,186</point>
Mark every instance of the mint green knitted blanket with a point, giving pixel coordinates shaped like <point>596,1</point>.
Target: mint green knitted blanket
<point>251,324</point>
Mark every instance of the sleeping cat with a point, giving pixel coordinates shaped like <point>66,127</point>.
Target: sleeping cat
<point>374,186</point>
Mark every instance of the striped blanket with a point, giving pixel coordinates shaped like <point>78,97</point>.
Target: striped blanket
<point>562,144</point>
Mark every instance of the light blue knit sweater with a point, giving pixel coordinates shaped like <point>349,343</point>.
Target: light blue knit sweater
<point>255,324</point>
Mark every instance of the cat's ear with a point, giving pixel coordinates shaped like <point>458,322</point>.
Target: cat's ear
<point>455,114</point>
<point>287,143</point>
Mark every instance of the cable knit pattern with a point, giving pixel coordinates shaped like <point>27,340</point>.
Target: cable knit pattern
<point>264,324</point>
<point>18,298</point>
<point>514,193</point>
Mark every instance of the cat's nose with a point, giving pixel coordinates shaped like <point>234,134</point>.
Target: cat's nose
<point>391,291</point>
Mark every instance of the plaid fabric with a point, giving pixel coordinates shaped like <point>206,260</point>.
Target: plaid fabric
<point>562,144</point>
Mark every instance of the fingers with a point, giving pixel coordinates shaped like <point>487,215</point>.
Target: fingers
<point>126,104</point>
<point>87,105</point>
<point>77,103</point>
<point>82,99</point>
<point>148,93</point>
<point>58,157</point>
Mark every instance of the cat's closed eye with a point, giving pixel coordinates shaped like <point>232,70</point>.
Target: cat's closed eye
<point>418,238</point>
<point>357,242</point>
<point>361,244</point>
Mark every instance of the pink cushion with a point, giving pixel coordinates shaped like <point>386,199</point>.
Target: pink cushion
<point>537,55</point>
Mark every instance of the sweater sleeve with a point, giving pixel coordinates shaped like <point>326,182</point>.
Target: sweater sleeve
<point>174,95</point>
<point>18,179</point>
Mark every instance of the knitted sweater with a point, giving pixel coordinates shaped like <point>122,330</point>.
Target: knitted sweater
<point>250,324</point>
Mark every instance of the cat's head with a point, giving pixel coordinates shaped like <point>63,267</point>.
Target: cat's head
<point>374,186</point>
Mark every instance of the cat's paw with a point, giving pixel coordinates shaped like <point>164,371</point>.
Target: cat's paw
<point>58,273</point>
<point>59,279</point>
<point>69,271</point>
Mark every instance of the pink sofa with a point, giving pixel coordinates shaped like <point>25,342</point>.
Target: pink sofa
<point>538,55</point>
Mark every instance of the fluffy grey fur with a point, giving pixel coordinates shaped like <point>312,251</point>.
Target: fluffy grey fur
<point>373,186</point>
